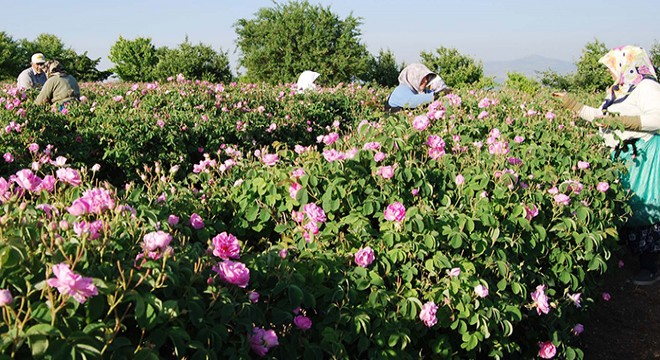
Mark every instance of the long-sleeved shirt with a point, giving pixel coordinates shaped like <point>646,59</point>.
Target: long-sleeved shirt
<point>58,89</point>
<point>405,97</point>
<point>29,79</point>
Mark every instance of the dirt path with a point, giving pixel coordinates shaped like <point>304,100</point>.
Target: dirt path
<point>627,326</point>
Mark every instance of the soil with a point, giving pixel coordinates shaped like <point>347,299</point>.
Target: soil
<point>628,325</point>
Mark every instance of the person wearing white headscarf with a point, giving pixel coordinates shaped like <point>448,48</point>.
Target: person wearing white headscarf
<point>418,85</point>
<point>633,101</point>
<point>60,88</point>
<point>306,81</point>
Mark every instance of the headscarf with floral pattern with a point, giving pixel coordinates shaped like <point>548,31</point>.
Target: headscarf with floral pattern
<point>630,65</point>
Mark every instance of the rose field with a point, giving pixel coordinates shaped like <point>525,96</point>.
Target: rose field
<point>226,221</point>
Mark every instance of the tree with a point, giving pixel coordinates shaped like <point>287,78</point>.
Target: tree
<point>518,81</point>
<point>455,69</point>
<point>194,62</point>
<point>10,57</point>
<point>135,60</point>
<point>654,54</point>
<point>591,75</point>
<point>281,42</point>
<point>383,69</point>
<point>555,80</point>
<point>79,66</point>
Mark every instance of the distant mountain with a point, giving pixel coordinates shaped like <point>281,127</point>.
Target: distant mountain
<point>528,66</point>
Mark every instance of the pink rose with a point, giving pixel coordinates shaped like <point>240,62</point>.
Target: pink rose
<point>454,272</point>
<point>547,350</point>
<point>253,296</point>
<point>562,199</point>
<point>69,283</point>
<point>427,315</point>
<point>270,159</point>
<point>79,207</point>
<point>314,213</point>
<point>196,221</point>
<point>583,165</point>
<point>69,176</point>
<point>395,212</point>
<point>603,186</point>
<point>283,253</point>
<point>293,190</point>
<point>364,257</point>
<point>460,180</point>
<point>233,272</point>
<point>5,297</point>
<point>607,296</point>
<point>420,123</point>
<point>540,300</point>
<point>481,291</point>
<point>262,340</point>
<point>302,322</point>
<point>172,220</point>
<point>226,246</point>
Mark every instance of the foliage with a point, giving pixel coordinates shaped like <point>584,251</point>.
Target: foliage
<point>282,42</point>
<point>554,80</point>
<point>199,62</point>
<point>79,65</point>
<point>456,69</point>
<point>134,60</point>
<point>654,55</point>
<point>518,81</point>
<point>499,194</point>
<point>10,63</point>
<point>383,69</point>
<point>592,76</point>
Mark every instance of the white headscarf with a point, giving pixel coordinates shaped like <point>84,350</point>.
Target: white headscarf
<point>306,81</point>
<point>412,76</point>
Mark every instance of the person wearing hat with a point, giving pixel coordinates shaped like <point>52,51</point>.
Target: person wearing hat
<point>60,88</point>
<point>417,86</point>
<point>34,76</point>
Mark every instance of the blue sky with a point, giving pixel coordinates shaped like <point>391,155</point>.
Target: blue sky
<point>485,30</point>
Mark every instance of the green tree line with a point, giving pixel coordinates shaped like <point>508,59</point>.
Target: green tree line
<point>280,42</point>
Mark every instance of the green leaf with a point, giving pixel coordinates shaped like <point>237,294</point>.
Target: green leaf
<point>295,296</point>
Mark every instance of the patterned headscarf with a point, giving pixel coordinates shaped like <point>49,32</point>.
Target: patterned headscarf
<point>54,68</point>
<point>412,76</point>
<point>630,65</point>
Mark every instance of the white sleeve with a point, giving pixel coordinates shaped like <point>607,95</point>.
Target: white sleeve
<point>24,80</point>
<point>590,113</point>
<point>649,105</point>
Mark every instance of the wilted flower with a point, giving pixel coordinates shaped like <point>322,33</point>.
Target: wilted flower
<point>575,298</point>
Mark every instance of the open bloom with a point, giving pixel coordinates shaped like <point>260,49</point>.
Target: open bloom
<point>69,176</point>
<point>233,272</point>
<point>364,257</point>
<point>575,298</point>
<point>226,246</point>
<point>547,350</point>
<point>395,212</point>
<point>540,300</point>
<point>427,315</point>
<point>262,340</point>
<point>69,283</point>
<point>420,123</point>
<point>156,243</point>
<point>603,186</point>
<point>481,291</point>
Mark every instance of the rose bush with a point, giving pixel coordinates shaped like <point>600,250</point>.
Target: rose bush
<point>475,231</point>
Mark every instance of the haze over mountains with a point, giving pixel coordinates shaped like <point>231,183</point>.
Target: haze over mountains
<point>527,65</point>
